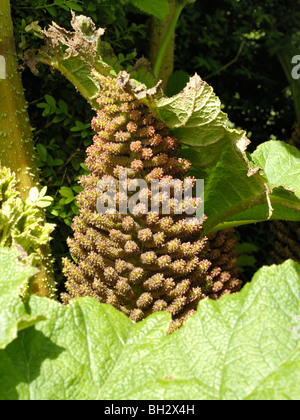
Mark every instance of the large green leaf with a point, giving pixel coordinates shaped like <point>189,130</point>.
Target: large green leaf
<point>280,163</point>
<point>245,346</point>
<point>280,167</point>
<point>14,278</point>
<point>157,8</point>
<point>218,154</point>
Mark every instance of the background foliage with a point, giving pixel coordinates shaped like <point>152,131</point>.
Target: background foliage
<point>254,89</point>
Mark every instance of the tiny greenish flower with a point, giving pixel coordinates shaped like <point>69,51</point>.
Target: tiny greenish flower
<point>39,199</point>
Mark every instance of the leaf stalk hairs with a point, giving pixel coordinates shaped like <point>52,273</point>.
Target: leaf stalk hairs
<point>143,262</point>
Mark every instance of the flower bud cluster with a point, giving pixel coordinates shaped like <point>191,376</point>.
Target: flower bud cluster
<point>146,261</point>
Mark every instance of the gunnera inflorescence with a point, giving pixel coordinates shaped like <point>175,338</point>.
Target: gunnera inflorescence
<point>144,261</point>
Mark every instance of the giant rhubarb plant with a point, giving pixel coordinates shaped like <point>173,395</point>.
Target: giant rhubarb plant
<point>243,346</point>
<point>141,264</point>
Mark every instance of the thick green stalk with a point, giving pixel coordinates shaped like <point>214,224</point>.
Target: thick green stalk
<point>17,146</point>
<point>17,149</point>
<point>163,42</point>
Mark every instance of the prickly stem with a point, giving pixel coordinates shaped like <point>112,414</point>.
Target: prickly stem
<point>17,146</point>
